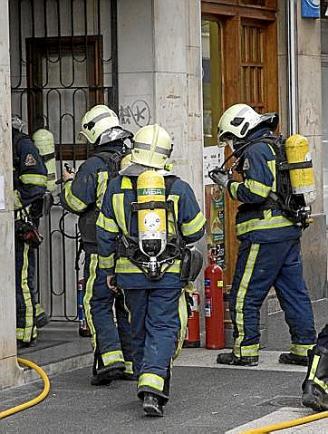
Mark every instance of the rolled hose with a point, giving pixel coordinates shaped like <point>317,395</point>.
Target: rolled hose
<point>287,423</point>
<point>37,399</point>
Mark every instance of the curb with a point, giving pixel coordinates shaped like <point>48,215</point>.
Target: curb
<point>58,367</point>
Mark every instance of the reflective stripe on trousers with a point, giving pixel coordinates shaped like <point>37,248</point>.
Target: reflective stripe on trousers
<point>25,330</point>
<point>98,306</point>
<point>260,267</point>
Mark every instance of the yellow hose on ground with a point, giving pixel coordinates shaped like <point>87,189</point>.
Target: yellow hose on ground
<point>287,424</point>
<point>34,401</point>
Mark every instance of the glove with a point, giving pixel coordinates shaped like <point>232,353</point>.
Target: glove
<point>68,176</point>
<point>220,177</point>
<point>111,283</point>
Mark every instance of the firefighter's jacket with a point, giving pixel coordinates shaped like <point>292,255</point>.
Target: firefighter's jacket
<point>83,195</point>
<point>258,219</point>
<point>30,172</point>
<point>116,217</point>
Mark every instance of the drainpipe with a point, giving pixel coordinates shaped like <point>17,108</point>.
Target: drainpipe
<point>292,66</point>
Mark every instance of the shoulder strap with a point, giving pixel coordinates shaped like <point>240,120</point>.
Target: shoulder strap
<point>169,181</point>
<point>278,146</point>
<point>284,189</point>
<point>112,160</point>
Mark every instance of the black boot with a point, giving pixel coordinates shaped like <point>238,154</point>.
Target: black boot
<point>22,345</point>
<point>104,375</point>
<point>293,359</point>
<point>41,318</point>
<point>231,359</point>
<point>315,386</point>
<point>129,377</point>
<point>152,405</point>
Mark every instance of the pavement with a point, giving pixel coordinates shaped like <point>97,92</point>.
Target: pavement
<point>205,397</point>
<point>59,349</point>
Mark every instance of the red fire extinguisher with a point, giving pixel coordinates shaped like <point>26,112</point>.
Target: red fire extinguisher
<point>193,329</point>
<point>214,307</point>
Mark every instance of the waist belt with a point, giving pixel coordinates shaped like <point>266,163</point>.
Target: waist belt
<point>257,210</point>
<point>129,248</point>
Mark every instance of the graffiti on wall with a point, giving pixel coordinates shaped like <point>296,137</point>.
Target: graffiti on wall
<point>137,113</point>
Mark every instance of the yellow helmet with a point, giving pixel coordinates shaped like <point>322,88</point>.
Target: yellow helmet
<point>152,147</point>
<point>97,121</point>
<point>44,140</point>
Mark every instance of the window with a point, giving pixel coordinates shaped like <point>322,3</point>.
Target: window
<point>252,66</point>
<point>63,61</point>
<point>64,78</point>
<point>212,78</point>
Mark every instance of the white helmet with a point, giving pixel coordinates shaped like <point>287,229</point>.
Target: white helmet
<point>239,119</point>
<point>102,123</point>
<point>152,146</point>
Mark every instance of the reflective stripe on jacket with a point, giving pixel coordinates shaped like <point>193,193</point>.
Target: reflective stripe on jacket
<point>87,188</point>
<point>30,172</point>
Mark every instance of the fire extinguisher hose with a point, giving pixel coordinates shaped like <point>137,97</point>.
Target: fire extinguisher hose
<point>287,423</point>
<point>37,399</point>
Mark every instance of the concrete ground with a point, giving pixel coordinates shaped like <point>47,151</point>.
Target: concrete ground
<point>205,397</point>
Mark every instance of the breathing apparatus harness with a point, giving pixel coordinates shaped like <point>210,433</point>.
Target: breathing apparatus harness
<point>87,219</point>
<point>152,265</point>
<point>152,256</point>
<point>293,206</point>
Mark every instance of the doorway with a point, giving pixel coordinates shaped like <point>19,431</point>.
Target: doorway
<point>240,65</point>
<point>63,61</point>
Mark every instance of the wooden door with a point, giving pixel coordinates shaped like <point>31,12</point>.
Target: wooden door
<point>248,74</point>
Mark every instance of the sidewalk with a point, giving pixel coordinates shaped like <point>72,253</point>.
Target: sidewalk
<point>205,397</point>
<point>59,349</point>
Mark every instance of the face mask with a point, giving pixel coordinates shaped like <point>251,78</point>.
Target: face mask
<point>222,143</point>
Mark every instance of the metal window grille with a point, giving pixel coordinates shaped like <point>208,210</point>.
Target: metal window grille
<point>63,61</point>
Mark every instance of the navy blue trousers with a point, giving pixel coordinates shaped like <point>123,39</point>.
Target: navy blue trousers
<point>155,327</point>
<point>108,339</point>
<point>260,267</point>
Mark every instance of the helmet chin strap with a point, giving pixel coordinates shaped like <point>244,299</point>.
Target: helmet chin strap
<point>239,146</point>
<point>236,151</point>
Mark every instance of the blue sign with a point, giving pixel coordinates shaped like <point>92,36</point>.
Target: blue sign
<point>311,8</point>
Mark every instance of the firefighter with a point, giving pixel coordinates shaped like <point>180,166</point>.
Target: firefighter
<point>137,254</point>
<point>315,385</point>
<point>30,181</point>
<point>270,251</point>
<point>82,194</point>
<point>44,141</point>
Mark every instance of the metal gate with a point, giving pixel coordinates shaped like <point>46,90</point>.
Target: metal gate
<point>63,61</point>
